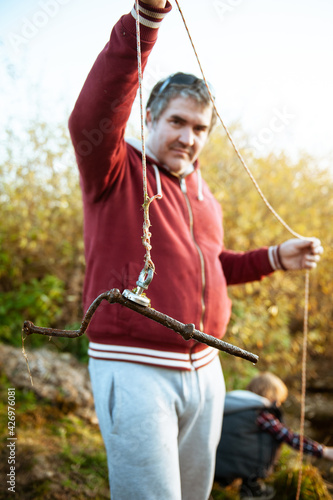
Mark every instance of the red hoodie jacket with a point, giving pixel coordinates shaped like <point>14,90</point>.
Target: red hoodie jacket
<point>192,267</point>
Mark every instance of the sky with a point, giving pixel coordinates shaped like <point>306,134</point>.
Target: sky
<point>269,61</point>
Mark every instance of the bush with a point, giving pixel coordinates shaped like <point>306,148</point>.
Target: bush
<point>41,300</point>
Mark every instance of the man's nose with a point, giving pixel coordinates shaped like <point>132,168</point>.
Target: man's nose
<point>186,136</point>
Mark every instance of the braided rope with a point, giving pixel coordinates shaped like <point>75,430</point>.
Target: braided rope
<point>146,200</point>
<point>287,227</point>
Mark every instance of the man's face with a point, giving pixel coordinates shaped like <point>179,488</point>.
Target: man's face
<point>180,133</point>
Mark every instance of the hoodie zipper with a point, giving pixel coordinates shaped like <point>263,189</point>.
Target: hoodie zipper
<point>202,262</point>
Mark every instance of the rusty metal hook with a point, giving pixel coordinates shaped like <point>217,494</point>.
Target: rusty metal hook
<point>187,331</point>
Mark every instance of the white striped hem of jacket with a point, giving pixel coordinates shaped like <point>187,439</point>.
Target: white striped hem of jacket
<point>148,18</point>
<point>166,359</point>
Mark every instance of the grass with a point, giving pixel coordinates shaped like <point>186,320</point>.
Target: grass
<point>285,481</point>
<point>60,456</point>
<point>57,456</point>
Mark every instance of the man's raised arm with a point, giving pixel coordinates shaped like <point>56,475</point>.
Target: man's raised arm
<point>98,121</point>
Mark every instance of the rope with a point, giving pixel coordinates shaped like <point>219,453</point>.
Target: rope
<point>146,200</point>
<point>303,390</point>
<point>238,153</point>
<point>286,226</point>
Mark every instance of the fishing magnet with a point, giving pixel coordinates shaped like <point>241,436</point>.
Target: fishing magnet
<point>142,300</point>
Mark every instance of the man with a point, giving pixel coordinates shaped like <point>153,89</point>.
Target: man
<point>158,398</point>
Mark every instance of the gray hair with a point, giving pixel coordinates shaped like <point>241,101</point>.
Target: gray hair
<point>179,85</point>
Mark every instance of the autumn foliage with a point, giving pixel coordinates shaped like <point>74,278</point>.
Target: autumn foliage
<point>268,316</point>
<point>42,261</point>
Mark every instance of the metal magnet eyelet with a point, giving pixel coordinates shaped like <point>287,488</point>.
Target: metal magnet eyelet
<point>144,279</point>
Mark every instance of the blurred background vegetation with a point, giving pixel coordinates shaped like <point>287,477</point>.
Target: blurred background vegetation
<point>268,316</point>
<point>42,259</point>
<point>42,271</point>
<point>41,245</point>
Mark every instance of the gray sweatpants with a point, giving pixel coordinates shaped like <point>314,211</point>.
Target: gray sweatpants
<point>161,428</point>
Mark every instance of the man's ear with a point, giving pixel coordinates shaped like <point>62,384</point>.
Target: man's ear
<point>149,121</point>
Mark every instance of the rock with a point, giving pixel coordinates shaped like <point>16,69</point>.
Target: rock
<point>58,377</point>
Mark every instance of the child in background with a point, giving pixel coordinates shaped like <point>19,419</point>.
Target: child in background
<point>252,434</point>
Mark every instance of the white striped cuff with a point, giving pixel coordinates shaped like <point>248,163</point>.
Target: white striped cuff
<point>166,359</point>
<point>148,18</point>
<point>275,258</point>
